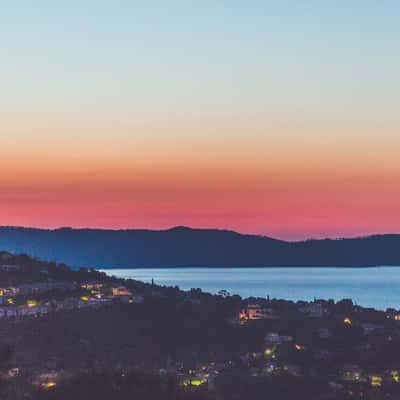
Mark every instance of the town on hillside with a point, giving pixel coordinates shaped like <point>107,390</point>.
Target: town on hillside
<point>82,334</point>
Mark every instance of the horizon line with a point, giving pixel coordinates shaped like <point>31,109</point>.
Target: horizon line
<point>82,228</point>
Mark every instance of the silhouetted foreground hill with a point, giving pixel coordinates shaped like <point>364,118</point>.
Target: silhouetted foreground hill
<point>183,247</point>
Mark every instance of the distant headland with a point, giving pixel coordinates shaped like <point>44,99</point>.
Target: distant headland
<point>187,247</point>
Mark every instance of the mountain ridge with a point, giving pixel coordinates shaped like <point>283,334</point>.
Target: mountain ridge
<point>183,246</point>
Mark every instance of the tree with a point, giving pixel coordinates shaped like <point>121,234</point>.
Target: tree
<point>224,293</point>
<point>6,353</point>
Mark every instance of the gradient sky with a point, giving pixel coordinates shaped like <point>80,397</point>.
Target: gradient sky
<point>280,118</point>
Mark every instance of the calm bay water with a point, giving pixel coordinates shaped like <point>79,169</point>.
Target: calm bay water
<point>370,287</point>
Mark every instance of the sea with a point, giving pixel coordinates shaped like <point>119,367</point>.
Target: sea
<point>377,287</point>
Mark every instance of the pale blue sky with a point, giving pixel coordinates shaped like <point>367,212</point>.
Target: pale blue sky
<point>293,56</point>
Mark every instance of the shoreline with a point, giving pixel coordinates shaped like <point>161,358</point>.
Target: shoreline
<point>254,267</point>
<point>370,287</point>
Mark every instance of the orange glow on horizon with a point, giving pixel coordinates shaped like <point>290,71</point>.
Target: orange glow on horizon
<point>278,180</point>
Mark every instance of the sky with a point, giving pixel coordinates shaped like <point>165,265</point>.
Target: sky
<point>276,118</point>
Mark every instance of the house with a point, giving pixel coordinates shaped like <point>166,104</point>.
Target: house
<point>273,338</point>
<point>393,314</point>
<point>255,312</point>
<point>369,328</point>
<point>47,380</point>
<point>192,299</point>
<point>93,302</point>
<point>32,308</point>
<point>11,311</point>
<point>5,255</point>
<point>138,299</point>
<point>129,299</point>
<point>9,291</point>
<point>67,304</point>
<point>120,291</point>
<point>352,373</point>
<point>99,302</point>
<point>125,299</point>
<point>10,268</point>
<point>25,311</point>
<point>312,310</point>
<point>44,309</point>
<point>92,285</point>
<point>324,333</point>
<point>13,372</point>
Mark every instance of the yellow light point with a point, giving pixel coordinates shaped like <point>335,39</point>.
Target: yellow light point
<point>10,301</point>
<point>299,347</point>
<point>376,380</point>
<point>194,382</point>
<point>347,321</point>
<point>268,352</point>
<point>49,385</point>
<point>197,382</point>
<point>85,298</point>
<point>32,303</point>
<point>397,317</point>
<point>395,376</point>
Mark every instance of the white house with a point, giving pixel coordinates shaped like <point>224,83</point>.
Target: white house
<point>273,338</point>
<point>313,310</point>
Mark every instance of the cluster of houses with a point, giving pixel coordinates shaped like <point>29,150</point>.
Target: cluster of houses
<point>10,268</point>
<point>25,310</point>
<point>313,310</point>
<point>97,296</point>
<point>327,321</point>
<point>27,289</point>
<point>347,374</point>
<point>255,312</point>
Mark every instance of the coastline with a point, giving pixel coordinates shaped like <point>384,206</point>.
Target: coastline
<point>253,267</point>
<point>369,287</point>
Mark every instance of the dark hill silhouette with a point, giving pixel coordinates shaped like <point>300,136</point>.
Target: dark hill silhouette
<point>186,247</point>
